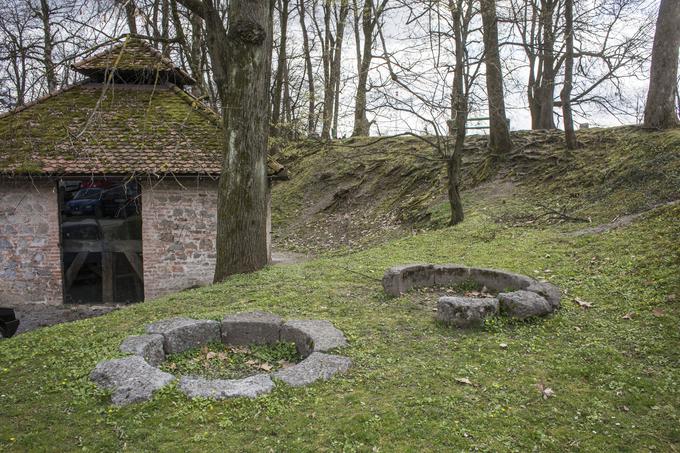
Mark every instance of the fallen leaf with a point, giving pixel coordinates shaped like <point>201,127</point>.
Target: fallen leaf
<point>582,303</point>
<point>265,367</point>
<point>251,362</point>
<point>628,315</point>
<point>546,392</point>
<point>657,312</point>
<point>211,355</point>
<point>464,381</point>
<point>503,345</point>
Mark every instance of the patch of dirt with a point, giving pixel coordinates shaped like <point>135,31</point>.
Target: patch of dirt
<point>35,316</point>
<point>427,298</point>
<point>284,257</point>
<point>619,221</point>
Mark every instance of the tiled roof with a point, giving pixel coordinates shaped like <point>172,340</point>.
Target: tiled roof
<point>133,55</point>
<point>121,129</point>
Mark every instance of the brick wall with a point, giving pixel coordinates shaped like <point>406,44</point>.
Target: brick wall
<point>30,259</point>
<point>178,235</point>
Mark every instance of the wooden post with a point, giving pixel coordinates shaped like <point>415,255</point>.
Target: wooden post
<point>107,277</point>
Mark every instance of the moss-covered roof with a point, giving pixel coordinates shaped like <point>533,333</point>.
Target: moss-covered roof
<point>132,59</point>
<point>119,129</point>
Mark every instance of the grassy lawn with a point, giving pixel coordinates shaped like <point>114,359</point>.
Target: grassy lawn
<point>612,370</point>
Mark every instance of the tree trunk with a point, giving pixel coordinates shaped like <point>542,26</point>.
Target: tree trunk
<point>663,81</point>
<point>453,190</point>
<point>334,53</point>
<point>280,67</point>
<point>48,63</point>
<point>130,15</point>
<point>565,95</point>
<point>241,62</point>
<point>499,134</point>
<point>311,120</point>
<point>361,124</point>
<point>545,93</point>
<point>458,119</point>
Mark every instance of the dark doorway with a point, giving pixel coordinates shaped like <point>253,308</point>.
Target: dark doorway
<point>101,240</point>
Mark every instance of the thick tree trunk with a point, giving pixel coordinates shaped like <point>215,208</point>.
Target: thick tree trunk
<point>565,95</point>
<point>131,15</point>
<point>241,62</point>
<point>546,92</point>
<point>660,108</point>
<point>311,113</point>
<point>499,134</point>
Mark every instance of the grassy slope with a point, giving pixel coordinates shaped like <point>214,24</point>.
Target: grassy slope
<point>616,381</point>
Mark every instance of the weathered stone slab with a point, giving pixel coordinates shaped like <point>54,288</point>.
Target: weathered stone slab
<point>496,280</point>
<point>316,366</point>
<point>312,336</point>
<point>251,328</point>
<point>181,334</point>
<point>149,347</point>
<point>398,280</point>
<point>466,311</point>
<point>450,274</point>
<point>523,304</point>
<point>549,291</point>
<point>218,389</point>
<point>130,379</point>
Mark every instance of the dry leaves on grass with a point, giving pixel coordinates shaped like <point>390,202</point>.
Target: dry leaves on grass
<point>582,303</point>
<point>464,381</point>
<point>658,313</point>
<point>546,392</point>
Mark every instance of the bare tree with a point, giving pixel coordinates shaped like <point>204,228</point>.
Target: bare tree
<point>370,18</point>
<point>241,64</point>
<point>282,63</point>
<point>663,81</point>
<point>307,55</point>
<point>440,102</point>
<point>565,94</point>
<point>604,56</point>
<point>331,36</point>
<point>499,130</point>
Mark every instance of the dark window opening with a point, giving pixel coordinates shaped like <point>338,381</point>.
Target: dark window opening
<point>101,240</point>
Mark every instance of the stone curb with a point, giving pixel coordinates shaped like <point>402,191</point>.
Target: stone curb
<point>135,378</point>
<point>315,367</point>
<point>400,279</point>
<point>220,389</point>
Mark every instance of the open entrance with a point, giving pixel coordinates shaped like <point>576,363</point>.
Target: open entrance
<point>101,238</point>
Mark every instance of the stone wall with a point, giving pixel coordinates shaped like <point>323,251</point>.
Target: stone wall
<point>178,235</point>
<point>30,258</point>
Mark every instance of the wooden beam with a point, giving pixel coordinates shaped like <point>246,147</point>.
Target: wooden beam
<point>116,246</point>
<point>73,270</point>
<point>136,263</point>
<point>107,277</point>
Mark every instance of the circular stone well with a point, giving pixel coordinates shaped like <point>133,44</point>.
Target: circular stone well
<point>136,377</point>
<point>518,296</point>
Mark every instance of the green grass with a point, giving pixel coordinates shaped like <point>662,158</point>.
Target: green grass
<point>218,361</point>
<point>616,381</point>
<point>614,368</point>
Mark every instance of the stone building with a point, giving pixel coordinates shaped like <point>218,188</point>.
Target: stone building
<point>108,187</point>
